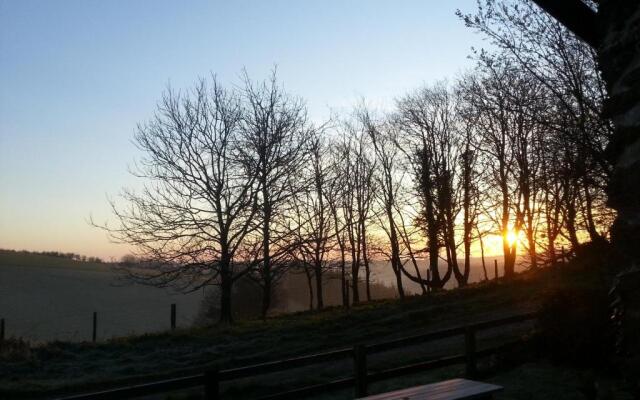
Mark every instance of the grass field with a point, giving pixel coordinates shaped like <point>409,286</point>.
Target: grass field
<point>45,298</point>
<point>60,367</point>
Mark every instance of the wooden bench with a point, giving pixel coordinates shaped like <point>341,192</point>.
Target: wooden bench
<point>447,390</point>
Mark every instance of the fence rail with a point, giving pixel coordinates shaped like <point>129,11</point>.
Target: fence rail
<point>211,379</point>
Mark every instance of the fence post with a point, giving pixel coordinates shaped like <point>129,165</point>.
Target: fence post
<point>211,385</point>
<point>495,268</point>
<point>470,351</point>
<point>95,326</point>
<point>173,316</point>
<point>564,257</point>
<point>360,370</point>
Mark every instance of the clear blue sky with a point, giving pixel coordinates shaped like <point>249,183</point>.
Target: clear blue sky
<point>77,76</point>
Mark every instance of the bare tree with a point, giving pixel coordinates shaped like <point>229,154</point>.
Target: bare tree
<point>335,196</point>
<point>388,178</point>
<point>566,67</point>
<point>274,135</point>
<point>356,171</point>
<point>469,185</point>
<point>555,191</point>
<point>502,98</point>
<point>428,120</point>
<point>190,221</point>
<point>316,224</point>
<point>300,254</point>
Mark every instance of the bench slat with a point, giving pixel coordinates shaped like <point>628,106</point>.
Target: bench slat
<point>454,389</point>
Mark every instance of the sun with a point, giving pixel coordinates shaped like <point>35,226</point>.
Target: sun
<point>511,237</point>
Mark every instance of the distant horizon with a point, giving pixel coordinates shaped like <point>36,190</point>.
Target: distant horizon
<point>117,260</point>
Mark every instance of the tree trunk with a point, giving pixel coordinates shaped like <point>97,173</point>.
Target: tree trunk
<point>225,298</point>
<point>453,256</point>
<point>533,254</point>
<point>591,226</point>
<point>266,254</point>
<point>343,263</point>
<point>509,260</point>
<point>310,285</point>
<point>367,277</point>
<point>508,250</point>
<point>467,162</point>
<point>343,281</point>
<point>365,260</point>
<point>395,263</point>
<point>266,297</point>
<point>355,268</point>
<point>551,229</point>
<point>571,224</point>
<point>318,275</point>
<point>433,248</point>
<point>484,265</point>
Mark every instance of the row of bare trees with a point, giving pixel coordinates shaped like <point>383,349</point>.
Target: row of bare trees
<point>242,185</point>
<point>573,162</point>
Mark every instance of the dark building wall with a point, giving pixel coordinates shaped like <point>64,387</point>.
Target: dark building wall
<point>619,59</point>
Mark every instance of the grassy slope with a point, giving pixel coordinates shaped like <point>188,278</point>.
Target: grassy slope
<point>38,260</point>
<point>60,366</point>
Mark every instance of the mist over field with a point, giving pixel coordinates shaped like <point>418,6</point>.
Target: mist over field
<point>46,299</point>
<point>45,303</point>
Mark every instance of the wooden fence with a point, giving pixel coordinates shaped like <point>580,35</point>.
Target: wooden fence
<point>211,379</point>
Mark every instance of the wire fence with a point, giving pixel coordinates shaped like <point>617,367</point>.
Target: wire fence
<point>101,324</point>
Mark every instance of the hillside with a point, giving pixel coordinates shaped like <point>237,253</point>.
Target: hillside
<point>27,259</point>
<point>44,298</point>
<point>62,367</point>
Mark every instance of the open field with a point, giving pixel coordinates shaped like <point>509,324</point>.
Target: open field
<point>46,298</point>
<point>67,366</point>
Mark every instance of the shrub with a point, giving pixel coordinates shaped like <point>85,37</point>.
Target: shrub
<point>573,326</point>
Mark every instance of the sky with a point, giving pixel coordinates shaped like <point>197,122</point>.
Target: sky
<point>76,77</point>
